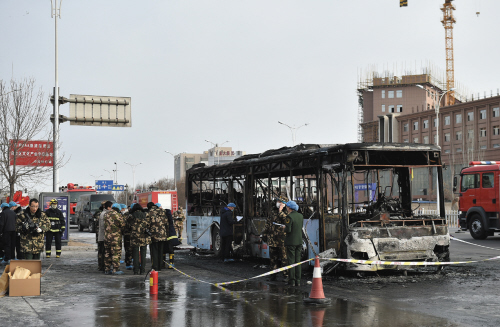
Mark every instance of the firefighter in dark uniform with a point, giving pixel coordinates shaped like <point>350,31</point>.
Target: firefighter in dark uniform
<point>293,240</point>
<point>57,227</point>
<point>172,239</point>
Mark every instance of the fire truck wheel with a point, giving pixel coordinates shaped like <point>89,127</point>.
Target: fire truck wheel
<point>216,241</point>
<point>476,227</point>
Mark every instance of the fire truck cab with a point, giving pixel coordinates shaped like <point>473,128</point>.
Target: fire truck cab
<point>479,206</point>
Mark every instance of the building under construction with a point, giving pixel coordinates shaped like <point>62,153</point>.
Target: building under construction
<point>402,109</point>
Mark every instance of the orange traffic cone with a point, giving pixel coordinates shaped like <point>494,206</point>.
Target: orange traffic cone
<point>317,295</point>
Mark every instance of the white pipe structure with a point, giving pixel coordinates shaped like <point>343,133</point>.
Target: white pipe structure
<point>436,105</point>
<point>133,172</point>
<point>175,183</point>
<point>56,13</point>
<point>216,145</point>
<point>293,130</point>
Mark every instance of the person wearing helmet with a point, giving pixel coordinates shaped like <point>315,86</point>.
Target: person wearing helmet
<point>293,240</point>
<point>57,227</point>
<point>140,236</point>
<point>113,229</point>
<point>172,240</point>
<point>227,221</point>
<point>179,222</point>
<point>8,229</point>
<point>126,238</point>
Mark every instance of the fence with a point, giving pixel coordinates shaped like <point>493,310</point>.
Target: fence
<point>451,216</point>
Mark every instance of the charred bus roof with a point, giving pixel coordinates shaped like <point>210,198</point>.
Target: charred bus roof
<point>301,159</point>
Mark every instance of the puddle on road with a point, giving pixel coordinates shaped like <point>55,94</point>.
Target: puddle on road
<point>244,304</point>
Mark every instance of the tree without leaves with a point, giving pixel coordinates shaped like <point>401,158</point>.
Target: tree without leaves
<point>23,118</point>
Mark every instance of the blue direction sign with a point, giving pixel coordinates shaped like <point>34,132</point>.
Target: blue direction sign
<point>104,185</point>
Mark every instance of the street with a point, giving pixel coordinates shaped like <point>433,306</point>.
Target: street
<point>75,293</point>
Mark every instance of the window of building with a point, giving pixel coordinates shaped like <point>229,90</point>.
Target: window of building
<point>470,134</point>
<point>496,130</point>
<point>405,127</point>
<point>415,140</point>
<point>399,93</point>
<point>483,147</point>
<point>458,118</point>
<point>426,140</point>
<point>470,116</point>
<point>496,112</point>
<point>428,106</point>
<point>391,108</point>
<point>435,122</point>
<point>482,132</point>
<point>383,108</point>
<point>458,135</point>
<point>426,123</point>
<point>447,137</point>
<point>496,145</point>
<point>405,141</point>
<point>447,120</point>
<point>399,108</point>
<point>383,94</point>
<point>459,149</point>
<point>482,114</point>
<point>391,94</point>
<point>435,139</point>
<point>415,125</point>
<point>447,151</point>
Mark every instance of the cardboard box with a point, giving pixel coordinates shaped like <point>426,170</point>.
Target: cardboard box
<point>25,287</point>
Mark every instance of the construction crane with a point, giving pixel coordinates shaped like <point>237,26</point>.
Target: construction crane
<point>448,21</point>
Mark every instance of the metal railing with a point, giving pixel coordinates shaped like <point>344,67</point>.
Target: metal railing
<point>451,216</point>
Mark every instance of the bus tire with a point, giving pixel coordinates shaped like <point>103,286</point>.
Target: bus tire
<point>477,228</point>
<point>216,241</point>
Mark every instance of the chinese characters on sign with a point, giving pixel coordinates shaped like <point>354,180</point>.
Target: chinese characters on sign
<point>31,153</point>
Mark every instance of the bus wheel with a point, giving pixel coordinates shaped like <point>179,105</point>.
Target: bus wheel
<point>477,228</point>
<point>216,241</point>
<point>91,227</point>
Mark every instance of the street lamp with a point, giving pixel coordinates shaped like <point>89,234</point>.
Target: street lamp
<point>293,130</point>
<point>126,194</point>
<point>436,105</point>
<point>110,173</point>
<point>133,172</point>
<point>95,178</point>
<point>216,146</point>
<point>175,183</point>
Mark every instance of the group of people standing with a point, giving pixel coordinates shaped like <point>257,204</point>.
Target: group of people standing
<point>138,227</point>
<point>23,231</point>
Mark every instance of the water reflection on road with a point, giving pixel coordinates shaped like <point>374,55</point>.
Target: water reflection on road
<point>246,304</point>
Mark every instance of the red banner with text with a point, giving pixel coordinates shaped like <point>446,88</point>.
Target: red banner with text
<point>31,153</point>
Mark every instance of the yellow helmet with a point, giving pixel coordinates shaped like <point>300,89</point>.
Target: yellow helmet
<point>53,201</point>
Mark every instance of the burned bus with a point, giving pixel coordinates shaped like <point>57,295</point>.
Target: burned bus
<point>356,201</point>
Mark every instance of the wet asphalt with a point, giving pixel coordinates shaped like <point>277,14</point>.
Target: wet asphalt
<point>74,293</point>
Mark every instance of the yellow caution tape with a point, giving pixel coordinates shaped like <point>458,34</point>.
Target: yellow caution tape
<point>275,271</point>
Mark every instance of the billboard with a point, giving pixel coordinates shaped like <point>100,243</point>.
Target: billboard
<point>96,110</point>
<point>62,204</point>
<point>31,153</point>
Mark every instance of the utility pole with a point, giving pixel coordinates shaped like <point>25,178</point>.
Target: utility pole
<point>293,130</point>
<point>56,13</point>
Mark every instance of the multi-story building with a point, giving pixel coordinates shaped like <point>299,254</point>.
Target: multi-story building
<point>402,109</point>
<point>214,156</point>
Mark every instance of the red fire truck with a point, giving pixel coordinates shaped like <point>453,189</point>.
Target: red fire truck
<point>479,198</point>
<point>75,192</point>
<point>167,199</point>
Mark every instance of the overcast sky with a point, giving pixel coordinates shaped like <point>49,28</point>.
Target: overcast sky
<point>229,70</point>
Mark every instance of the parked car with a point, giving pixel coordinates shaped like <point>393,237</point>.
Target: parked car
<point>86,207</point>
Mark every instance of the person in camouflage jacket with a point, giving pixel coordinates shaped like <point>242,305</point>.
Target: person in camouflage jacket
<point>179,218</point>
<point>139,226</point>
<point>32,224</point>
<point>113,229</point>
<point>126,238</point>
<point>159,227</point>
<point>276,239</point>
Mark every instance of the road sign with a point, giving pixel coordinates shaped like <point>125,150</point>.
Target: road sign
<point>103,185</point>
<point>118,188</point>
<point>96,110</point>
